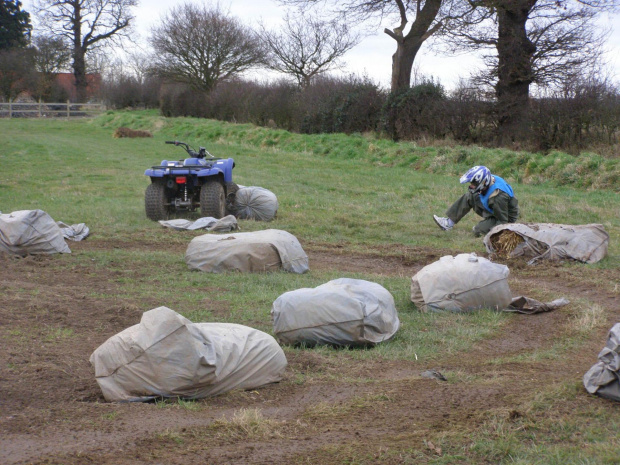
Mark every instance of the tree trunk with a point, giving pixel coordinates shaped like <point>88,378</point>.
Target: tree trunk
<point>79,72</point>
<point>402,63</point>
<point>79,54</point>
<point>407,46</point>
<point>515,51</point>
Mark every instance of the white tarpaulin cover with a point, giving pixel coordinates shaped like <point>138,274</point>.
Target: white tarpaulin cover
<point>462,283</point>
<point>268,250</point>
<point>584,243</point>
<point>228,223</point>
<point>603,379</point>
<point>342,312</point>
<point>166,355</point>
<point>255,203</point>
<point>31,232</point>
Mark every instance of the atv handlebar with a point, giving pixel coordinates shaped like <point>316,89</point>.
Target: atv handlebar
<point>202,152</point>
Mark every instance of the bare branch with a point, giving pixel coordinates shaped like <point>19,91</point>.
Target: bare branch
<point>307,46</point>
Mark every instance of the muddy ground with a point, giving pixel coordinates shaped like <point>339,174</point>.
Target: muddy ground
<point>52,410</point>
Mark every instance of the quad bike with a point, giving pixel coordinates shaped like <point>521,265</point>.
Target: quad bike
<point>189,184</point>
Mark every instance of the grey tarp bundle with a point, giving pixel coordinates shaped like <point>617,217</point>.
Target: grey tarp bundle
<point>529,306</point>
<point>166,355</point>
<point>255,203</point>
<point>342,312</point>
<point>584,243</point>
<point>74,232</point>
<point>31,232</point>
<point>462,283</point>
<point>228,223</point>
<point>603,379</point>
<point>268,250</point>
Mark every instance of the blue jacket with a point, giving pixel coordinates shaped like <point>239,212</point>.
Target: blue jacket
<point>498,184</point>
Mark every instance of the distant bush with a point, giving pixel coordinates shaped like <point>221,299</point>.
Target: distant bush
<point>586,115</point>
<point>346,105</point>
<point>128,91</point>
<point>416,112</point>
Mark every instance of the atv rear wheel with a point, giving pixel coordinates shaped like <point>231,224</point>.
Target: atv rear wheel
<point>212,200</point>
<point>155,202</point>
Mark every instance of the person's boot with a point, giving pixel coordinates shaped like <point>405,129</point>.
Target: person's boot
<point>444,223</point>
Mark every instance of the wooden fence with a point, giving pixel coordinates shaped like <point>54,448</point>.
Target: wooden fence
<point>49,110</point>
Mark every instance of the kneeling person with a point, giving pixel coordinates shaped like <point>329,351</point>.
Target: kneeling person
<point>489,196</point>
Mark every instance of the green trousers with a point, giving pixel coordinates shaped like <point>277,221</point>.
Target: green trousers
<point>505,210</point>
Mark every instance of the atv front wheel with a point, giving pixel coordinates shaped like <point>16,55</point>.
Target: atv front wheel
<point>212,200</point>
<point>155,202</point>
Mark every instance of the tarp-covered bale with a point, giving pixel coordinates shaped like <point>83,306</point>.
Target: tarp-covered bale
<point>603,379</point>
<point>166,355</point>
<point>268,250</point>
<point>462,283</point>
<point>31,232</point>
<point>342,312</point>
<point>584,243</point>
<point>255,203</point>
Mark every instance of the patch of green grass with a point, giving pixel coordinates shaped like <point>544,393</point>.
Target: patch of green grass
<point>110,416</point>
<point>58,334</point>
<point>185,404</point>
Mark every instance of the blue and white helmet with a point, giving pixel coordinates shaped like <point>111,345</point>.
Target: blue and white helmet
<point>478,177</point>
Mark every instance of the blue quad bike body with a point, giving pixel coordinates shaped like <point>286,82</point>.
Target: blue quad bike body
<point>200,182</point>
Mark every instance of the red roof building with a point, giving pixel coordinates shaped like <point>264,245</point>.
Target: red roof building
<point>67,82</point>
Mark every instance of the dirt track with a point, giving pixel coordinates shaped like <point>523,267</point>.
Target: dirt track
<point>52,411</point>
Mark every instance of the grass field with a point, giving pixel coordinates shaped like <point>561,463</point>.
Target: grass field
<point>345,198</point>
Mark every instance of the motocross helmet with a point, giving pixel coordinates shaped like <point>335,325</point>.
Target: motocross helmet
<point>478,177</point>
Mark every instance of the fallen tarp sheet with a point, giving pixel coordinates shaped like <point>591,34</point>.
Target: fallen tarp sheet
<point>74,232</point>
<point>268,250</point>
<point>584,243</point>
<point>342,312</point>
<point>462,283</point>
<point>255,203</point>
<point>166,355</point>
<point>530,306</point>
<point>228,223</point>
<point>603,379</point>
<point>31,232</point>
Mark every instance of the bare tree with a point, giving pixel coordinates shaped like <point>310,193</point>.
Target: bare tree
<point>85,24</point>
<point>539,42</point>
<point>16,72</point>
<point>429,17</point>
<point>52,54</point>
<point>201,46</point>
<point>307,46</point>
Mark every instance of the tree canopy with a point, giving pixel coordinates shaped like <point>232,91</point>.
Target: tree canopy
<point>15,25</point>
<point>201,46</point>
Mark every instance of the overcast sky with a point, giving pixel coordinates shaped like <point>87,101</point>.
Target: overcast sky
<point>373,55</point>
